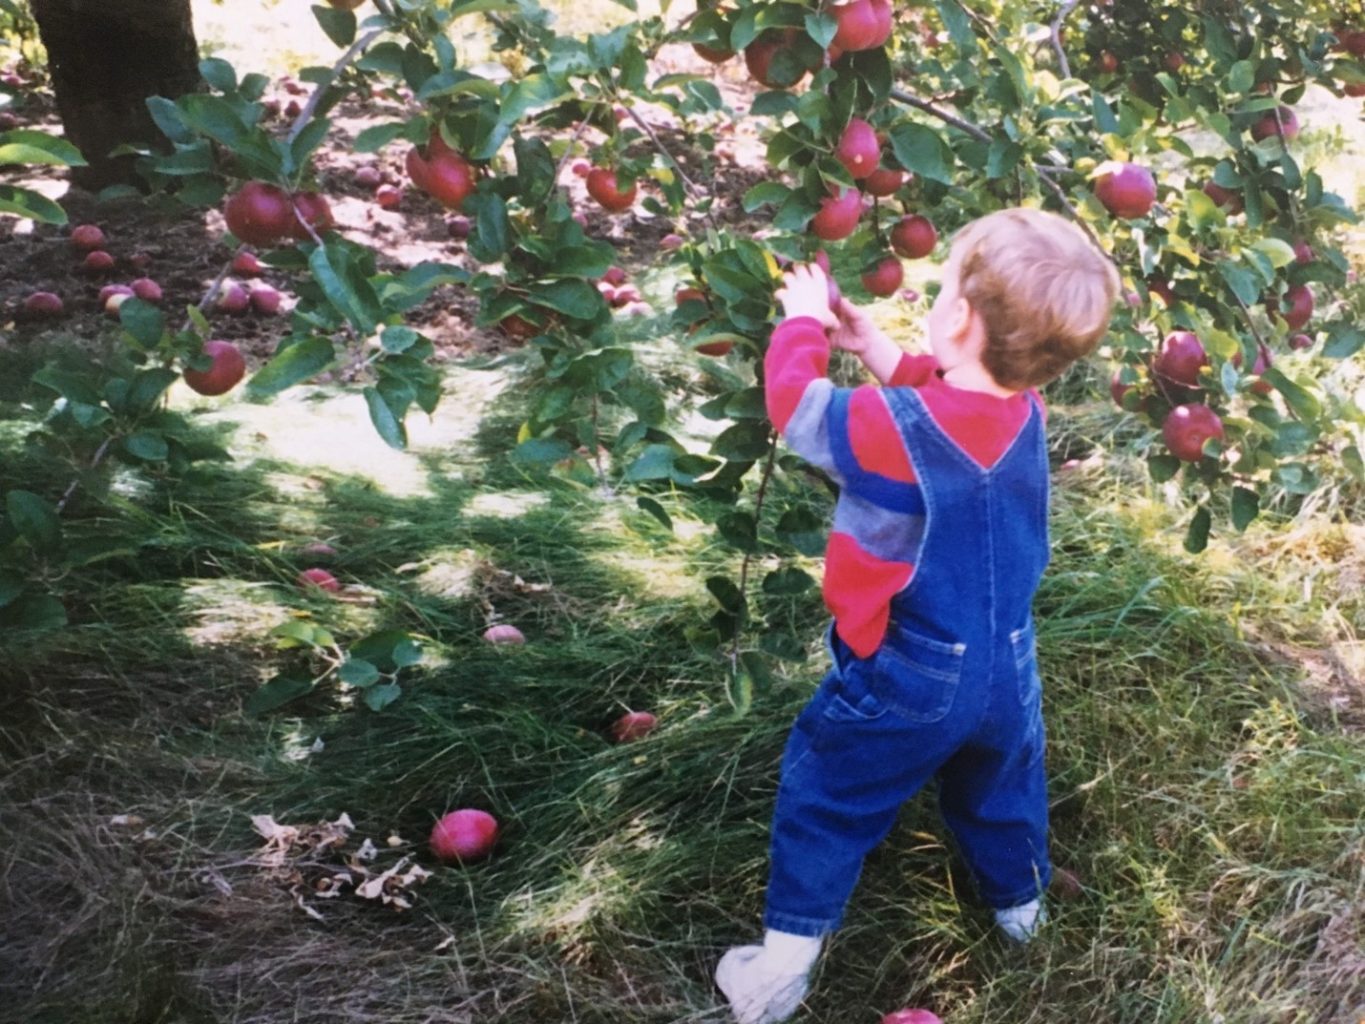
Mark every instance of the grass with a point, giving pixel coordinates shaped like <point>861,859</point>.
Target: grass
<point>1208,807</point>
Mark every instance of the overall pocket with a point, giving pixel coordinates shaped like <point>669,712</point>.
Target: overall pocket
<point>850,697</point>
<point>1025,646</point>
<point>916,678</point>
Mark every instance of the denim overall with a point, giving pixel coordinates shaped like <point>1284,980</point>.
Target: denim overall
<point>953,692</point>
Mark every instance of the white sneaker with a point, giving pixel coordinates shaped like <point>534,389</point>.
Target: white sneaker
<point>1021,923</point>
<point>765,984</point>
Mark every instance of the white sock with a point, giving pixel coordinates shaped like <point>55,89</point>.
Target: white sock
<point>1021,923</point>
<point>765,984</point>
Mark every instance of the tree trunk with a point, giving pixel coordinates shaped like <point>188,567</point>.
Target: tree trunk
<point>107,57</point>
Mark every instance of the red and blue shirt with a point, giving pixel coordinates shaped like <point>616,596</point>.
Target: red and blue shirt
<point>871,550</point>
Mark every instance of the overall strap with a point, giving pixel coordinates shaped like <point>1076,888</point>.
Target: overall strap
<point>879,490</point>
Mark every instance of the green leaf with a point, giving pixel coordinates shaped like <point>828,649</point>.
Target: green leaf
<point>542,451</point>
<point>1162,467</point>
<point>654,463</point>
<point>146,445</point>
<point>922,150</point>
<point>535,169</point>
<point>35,611</point>
<point>143,322</point>
<point>219,74</point>
<point>726,593</point>
<point>296,363</point>
<point>396,340</point>
<point>1240,280</point>
<point>377,136</point>
<point>359,673</point>
<point>492,226</point>
<point>1197,536</point>
<point>573,298</point>
<point>89,550</point>
<point>406,653</point>
<point>347,289</point>
<point>10,588</point>
<point>1280,253</point>
<point>1300,399</point>
<point>1355,465</point>
<point>276,693</point>
<point>148,386</point>
<point>27,203</point>
<point>167,117</point>
<point>1344,340</point>
<point>386,421</point>
<point>339,25</point>
<point>30,146</point>
<point>1246,505</point>
<point>377,698</point>
<point>787,581</point>
<point>763,194</point>
<point>740,691</point>
<point>651,506</point>
<point>803,531</point>
<point>739,529</point>
<point>34,519</point>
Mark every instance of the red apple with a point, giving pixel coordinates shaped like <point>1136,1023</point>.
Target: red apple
<point>147,290</point>
<point>464,836</point>
<point>265,300</point>
<point>140,260</point>
<point>914,237</point>
<point>614,275</point>
<point>580,168</point>
<point>245,264</point>
<point>911,1017</point>
<point>1186,429</point>
<point>459,226</point>
<point>1351,41</point>
<point>517,327</point>
<point>1268,127</point>
<point>294,108</point>
<point>369,176</point>
<point>1180,358</point>
<point>110,290</point>
<point>838,215</point>
<point>758,58</point>
<point>320,579</point>
<point>87,237</point>
<point>1227,198</point>
<point>233,298</point>
<point>1108,62</point>
<point>862,25</point>
<point>503,634</point>
<point>1175,60</point>
<point>713,54</point>
<point>884,181</point>
<point>312,209</point>
<point>602,187</point>
<point>388,197</point>
<point>688,295</point>
<point>670,242</point>
<point>1117,389</point>
<point>1303,253</point>
<point>1126,190</point>
<point>8,121</point>
<point>885,277</point>
<point>858,149</point>
<point>259,214</point>
<point>1300,299</point>
<point>450,179</point>
<point>1160,287</point>
<point>633,725</point>
<point>625,294</point>
<point>228,368</point>
<point>715,348</point>
<point>1354,89</point>
<point>97,262</point>
<point>43,304</point>
<point>1066,885</point>
<point>1300,341</point>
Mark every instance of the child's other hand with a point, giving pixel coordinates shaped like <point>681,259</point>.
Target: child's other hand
<point>805,292</point>
<point>855,330</point>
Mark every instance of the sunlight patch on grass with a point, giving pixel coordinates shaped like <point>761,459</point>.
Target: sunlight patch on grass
<point>230,611</point>
<point>501,505</point>
<point>447,573</point>
<point>316,429</point>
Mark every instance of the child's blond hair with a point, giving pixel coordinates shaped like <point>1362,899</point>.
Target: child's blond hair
<point>1044,291</point>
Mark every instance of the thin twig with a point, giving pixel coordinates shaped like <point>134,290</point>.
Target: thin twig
<point>691,186</point>
<point>911,100</point>
<point>309,108</point>
<point>1067,7</point>
<point>1076,216</point>
<point>100,453</point>
<point>748,555</point>
<point>568,152</point>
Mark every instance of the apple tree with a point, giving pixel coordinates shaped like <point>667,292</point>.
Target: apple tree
<point>1168,132</point>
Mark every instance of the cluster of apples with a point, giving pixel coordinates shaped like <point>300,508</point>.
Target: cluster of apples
<point>861,25</point>
<point>387,195</point>
<point>265,215</point>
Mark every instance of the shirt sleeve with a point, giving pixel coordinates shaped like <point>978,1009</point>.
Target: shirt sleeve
<point>913,371</point>
<point>799,394</point>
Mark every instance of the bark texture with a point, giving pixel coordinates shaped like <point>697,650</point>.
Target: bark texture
<point>107,57</point>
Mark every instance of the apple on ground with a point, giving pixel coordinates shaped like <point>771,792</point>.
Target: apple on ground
<point>633,725</point>
<point>98,262</point>
<point>320,579</point>
<point>265,300</point>
<point>503,634</point>
<point>369,176</point>
<point>140,260</point>
<point>1300,341</point>
<point>602,186</point>
<point>43,304</point>
<point>464,836</point>
<point>580,168</point>
<point>233,299</point>
<point>293,108</point>
<point>226,372</point>
<point>614,275</point>
<point>625,294</point>
<point>1126,190</point>
<point>388,196</point>
<point>245,264</point>
<point>459,226</point>
<point>914,237</point>
<point>147,290</point>
<point>911,1016</point>
<point>1066,885</point>
<point>1186,429</point>
<point>671,241</point>
<point>87,237</point>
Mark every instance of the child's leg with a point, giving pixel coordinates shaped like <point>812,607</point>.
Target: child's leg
<point>995,802</point>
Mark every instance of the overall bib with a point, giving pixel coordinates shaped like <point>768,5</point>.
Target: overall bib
<point>953,692</point>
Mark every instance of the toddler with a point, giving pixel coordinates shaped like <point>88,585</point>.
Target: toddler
<point>938,543</point>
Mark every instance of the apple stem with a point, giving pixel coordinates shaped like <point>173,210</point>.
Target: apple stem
<point>1067,7</point>
<point>310,108</point>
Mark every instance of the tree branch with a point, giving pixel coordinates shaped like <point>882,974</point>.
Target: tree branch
<point>1067,7</point>
<point>911,100</point>
<point>310,108</point>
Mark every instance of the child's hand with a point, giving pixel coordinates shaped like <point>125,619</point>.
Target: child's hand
<point>805,292</point>
<point>855,330</point>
